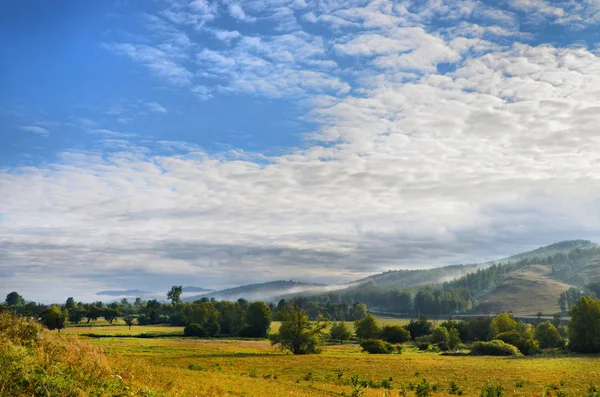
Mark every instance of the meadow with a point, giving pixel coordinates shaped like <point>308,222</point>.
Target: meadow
<point>181,366</point>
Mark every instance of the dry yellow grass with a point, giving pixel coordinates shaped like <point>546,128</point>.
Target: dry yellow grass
<point>189,367</point>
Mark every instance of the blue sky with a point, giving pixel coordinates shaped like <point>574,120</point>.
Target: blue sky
<point>144,144</point>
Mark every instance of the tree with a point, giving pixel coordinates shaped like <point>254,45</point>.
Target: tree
<point>70,303</point>
<point>584,326</point>
<point>366,328</point>
<point>502,323</point>
<point>75,315</point>
<point>174,295</point>
<point>93,313</point>
<point>440,337</point>
<point>359,311</point>
<point>454,341</point>
<point>395,334</point>
<point>420,327</point>
<point>258,320</point>
<point>14,299</point>
<point>340,332</point>
<point>296,333</point>
<point>129,320</point>
<point>54,318</point>
<point>548,336</point>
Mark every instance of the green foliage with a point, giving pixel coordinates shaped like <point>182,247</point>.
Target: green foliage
<point>258,320</point>
<point>394,334</point>
<point>420,327</point>
<point>492,391</point>
<point>367,328</point>
<point>357,387</point>
<point>440,337</point>
<point>454,389</point>
<point>569,298</point>
<point>194,329</point>
<point>297,334</point>
<point>494,348</point>
<point>584,326</point>
<point>548,336</point>
<point>340,332</point>
<point>424,389</point>
<point>54,318</point>
<point>14,299</point>
<point>376,346</point>
<point>454,341</point>
<point>359,311</point>
<point>174,295</point>
<point>523,342</point>
<point>502,323</point>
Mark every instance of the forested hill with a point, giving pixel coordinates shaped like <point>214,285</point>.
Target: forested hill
<point>525,283</point>
<point>262,291</point>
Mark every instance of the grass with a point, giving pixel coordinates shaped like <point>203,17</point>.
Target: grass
<point>230,367</point>
<point>181,366</point>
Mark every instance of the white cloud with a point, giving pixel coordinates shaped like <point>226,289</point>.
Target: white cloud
<point>156,107</point>
<point>34,129</point>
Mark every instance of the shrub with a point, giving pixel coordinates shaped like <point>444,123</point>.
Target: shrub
<point>35,362</point>
<point>420,327</point>
<point>194,329</point>
<point>395,334</point>
<point>440,337</point>
<point>376,346</point>
<point>340,332</point>
<point>454,389</point>
<point>423,389</point>
<point>526,345</point>
<point>548,336</point>
<point>492,391</point>
<point>494,348</point>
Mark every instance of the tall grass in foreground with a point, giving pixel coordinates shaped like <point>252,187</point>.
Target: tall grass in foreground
<point>38,362</point>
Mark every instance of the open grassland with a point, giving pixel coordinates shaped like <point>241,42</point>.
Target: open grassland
<point>190,367</point>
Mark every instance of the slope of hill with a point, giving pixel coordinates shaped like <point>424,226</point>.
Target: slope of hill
<point>262,291</point>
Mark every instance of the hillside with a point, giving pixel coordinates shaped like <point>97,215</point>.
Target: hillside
<point>261,291</point>
<point>524,283</point>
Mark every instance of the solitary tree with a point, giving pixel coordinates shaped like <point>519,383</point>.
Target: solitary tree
<point>174,295</point>
<point>129,320</point>
<point>584,326</point>
<point>340,332</point>
<point>14,299</point>
<point>366,328</point>
<point>296,333</point>
<point>54,318</point>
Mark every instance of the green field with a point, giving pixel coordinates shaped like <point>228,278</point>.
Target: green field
<point>221,367</point>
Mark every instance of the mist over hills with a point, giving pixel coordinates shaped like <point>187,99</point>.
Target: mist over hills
<point>526,282</point>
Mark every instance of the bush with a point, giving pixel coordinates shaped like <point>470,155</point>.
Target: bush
<point>35,362</point>
<point>548,336</point>
<point>440,337</point>
<point>376,346</point>
<point>395,334</point>
<point>194,330</point>
<point>494,348</point>
<point>492,391</point>
<point>527,346</point>
<point>420,327</point>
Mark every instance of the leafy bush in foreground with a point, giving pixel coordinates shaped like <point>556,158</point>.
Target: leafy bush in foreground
<point>35,362</point>
<point>494,348</point>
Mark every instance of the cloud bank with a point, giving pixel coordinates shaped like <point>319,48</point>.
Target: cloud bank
<point>445,133</point>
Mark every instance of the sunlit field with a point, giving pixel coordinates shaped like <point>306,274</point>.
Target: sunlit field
<point>179,366</point>
<point>184,367</point>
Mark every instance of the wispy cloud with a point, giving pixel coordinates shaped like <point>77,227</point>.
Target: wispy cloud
<point>34,129</point>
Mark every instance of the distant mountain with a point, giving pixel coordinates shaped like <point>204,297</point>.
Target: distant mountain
<point>196,289</point>
<point>262,291</point>
<point>129,292</point>
<point>532,283</point>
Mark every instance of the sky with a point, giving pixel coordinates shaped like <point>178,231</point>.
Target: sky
<point>219,143</point>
